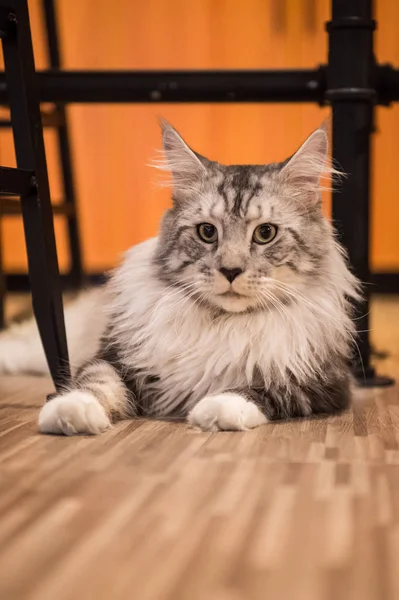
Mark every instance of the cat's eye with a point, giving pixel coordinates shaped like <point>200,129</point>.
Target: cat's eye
<point>207,232</point>
<point>264,233</point>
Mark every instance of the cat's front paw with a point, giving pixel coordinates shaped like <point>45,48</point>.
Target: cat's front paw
<point>226,412</point>
<point>73,413</point>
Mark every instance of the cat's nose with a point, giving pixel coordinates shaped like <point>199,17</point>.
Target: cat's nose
<point>230,274</point>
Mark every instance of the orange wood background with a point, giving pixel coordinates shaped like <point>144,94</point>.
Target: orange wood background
<point>119,204</point>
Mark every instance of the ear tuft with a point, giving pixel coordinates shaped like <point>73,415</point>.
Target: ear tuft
<point>306,169</point>
<point>178,158</point>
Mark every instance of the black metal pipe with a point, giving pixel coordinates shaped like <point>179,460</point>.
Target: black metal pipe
<point>301,85</point>
<point>387,84</point>
<point>352,150</point>
<point>350,89</point>
<point>16,182</point>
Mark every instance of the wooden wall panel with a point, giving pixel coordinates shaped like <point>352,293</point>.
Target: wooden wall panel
<point>112,144</point>
<point>13,238</point>
<point>385,207</point>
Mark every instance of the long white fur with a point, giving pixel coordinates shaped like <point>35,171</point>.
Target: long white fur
<point>173,336</point>
<point>162,330</point>
<point>21,350</point>
<point>193,351</point>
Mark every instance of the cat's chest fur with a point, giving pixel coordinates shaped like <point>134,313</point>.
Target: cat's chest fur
<point>180,357</point>
<point>193,358</point>
<point>179,351</point>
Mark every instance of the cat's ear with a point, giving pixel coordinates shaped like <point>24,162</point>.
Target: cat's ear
<point>184,164</point>
<point>306,168</point>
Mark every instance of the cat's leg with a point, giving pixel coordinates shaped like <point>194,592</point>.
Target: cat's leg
<point>96,397</point>
<point>246,409</point>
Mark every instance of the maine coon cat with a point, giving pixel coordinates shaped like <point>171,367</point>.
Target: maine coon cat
<point>239,313</point>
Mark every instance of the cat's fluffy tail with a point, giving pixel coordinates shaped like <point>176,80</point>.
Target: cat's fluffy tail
<point>21,350</point>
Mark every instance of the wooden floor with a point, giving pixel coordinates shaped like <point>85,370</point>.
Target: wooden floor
<point>151,511</point>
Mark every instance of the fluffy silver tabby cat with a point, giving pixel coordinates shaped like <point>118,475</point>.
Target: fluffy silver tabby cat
<point>239,313</point>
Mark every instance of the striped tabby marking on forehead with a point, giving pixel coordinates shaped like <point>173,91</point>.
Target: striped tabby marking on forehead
<point>238,187</point>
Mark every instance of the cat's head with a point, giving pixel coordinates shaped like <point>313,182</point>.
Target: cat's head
<point>244,237</point>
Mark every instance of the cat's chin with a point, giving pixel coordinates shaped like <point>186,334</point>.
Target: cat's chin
<point>234,303</point>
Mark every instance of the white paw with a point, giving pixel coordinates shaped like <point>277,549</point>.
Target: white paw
<point>226,412</point>
<point>74,412</point>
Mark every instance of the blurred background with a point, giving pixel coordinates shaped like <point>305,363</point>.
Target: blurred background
<point>118,201</point>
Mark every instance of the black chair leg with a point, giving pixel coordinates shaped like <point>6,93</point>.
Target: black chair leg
<point>36,205</point>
